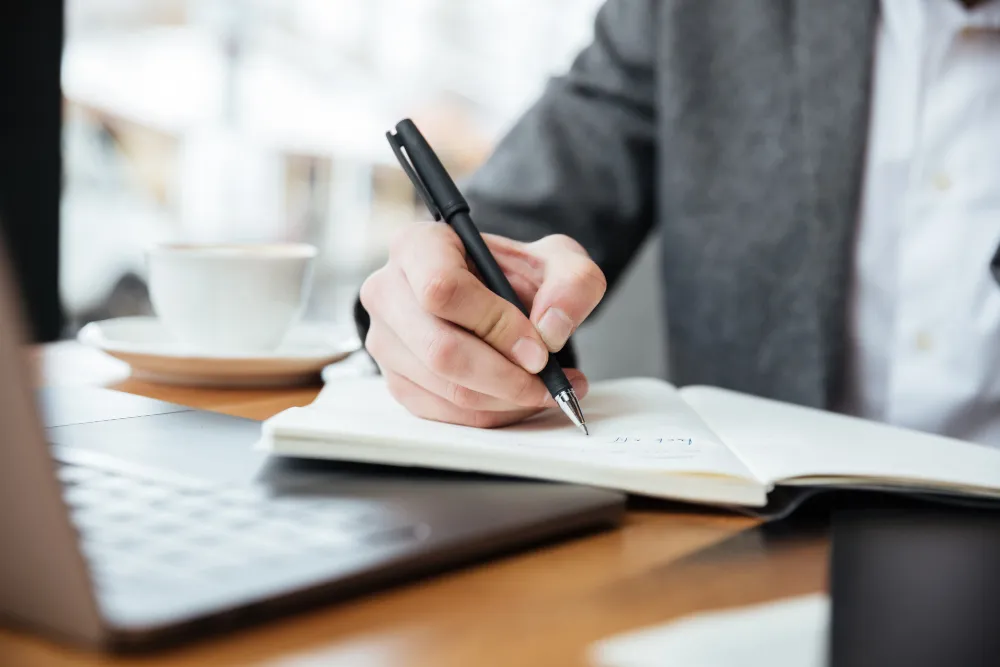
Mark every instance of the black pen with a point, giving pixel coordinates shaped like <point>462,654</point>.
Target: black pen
<point>445,202</point>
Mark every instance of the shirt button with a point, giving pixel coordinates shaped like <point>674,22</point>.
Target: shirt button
<point>924,342</point>
<point>941,182</point>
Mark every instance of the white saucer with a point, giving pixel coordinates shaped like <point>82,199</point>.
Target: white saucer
<point>143,344</point>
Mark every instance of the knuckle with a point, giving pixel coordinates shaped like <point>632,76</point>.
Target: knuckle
<point>496,325</point>
<point>591,276</point>
<point>568,242</point>
<point>444,354</point>
<point>564,242</point>
<point>463,397</point>
<point>440,291</point>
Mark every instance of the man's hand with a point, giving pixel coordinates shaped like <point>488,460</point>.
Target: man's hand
<point>451,350</point>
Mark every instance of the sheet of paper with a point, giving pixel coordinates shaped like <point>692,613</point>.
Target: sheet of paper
<point>782,441</point>
<point>634,424</point>
<point>787,633</point>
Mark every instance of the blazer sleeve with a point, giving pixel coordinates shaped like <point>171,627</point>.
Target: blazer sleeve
<point>581,161</point>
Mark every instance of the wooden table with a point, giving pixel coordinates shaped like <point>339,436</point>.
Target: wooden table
<point>543,607</point>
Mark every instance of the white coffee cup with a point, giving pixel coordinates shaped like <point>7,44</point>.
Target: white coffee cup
<point>229,298</point>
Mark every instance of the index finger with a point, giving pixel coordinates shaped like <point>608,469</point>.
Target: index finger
<point>435,267</point>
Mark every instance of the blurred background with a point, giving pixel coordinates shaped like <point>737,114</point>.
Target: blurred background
<point>254,120</point>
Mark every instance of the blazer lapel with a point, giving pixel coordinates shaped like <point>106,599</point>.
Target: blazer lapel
<point>833,50</point>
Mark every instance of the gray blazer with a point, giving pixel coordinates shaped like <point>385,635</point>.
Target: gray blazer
<point>736,128</point>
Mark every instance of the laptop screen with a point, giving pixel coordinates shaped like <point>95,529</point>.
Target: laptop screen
<point>31,40</point>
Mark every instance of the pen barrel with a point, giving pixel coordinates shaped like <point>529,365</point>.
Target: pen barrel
<point>477,250</point>
<point>554,377</point>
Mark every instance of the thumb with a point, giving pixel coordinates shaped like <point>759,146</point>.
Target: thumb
<point>571,288</point>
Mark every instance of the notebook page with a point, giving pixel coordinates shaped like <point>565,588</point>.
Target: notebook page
<point>780,442</point>
<point>635,424</point>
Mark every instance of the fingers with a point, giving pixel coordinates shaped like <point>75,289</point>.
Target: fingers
<point>422,403</point>
<point>451,349</point>
<point>572,287</point>
<point>581,385</point>
<point>395,358</point>
<point>447,351</point>
<point>436,270</point>
<point>524,270</point>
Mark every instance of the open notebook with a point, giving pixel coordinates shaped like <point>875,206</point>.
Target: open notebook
<point>699,444</point>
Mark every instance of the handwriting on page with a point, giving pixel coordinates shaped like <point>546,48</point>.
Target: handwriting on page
<point>651,447</point>
<point>623,439</point>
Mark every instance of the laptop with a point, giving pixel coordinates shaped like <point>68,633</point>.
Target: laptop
<point>130,523</point>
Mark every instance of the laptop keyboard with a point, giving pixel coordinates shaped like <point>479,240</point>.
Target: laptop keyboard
<point>138,528</point>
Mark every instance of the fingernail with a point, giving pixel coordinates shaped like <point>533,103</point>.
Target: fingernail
<point>580,386</point>
<point>529,354</point>
<point>555,327</point>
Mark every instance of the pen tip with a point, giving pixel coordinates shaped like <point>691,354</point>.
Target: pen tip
<point>571,407</point>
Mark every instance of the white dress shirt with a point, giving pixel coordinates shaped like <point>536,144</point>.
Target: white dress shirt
<point>924,319</point>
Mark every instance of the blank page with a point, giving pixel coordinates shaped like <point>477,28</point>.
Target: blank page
<point>781,442</point>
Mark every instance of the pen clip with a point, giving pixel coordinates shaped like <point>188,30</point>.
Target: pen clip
<point>418,183</point>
